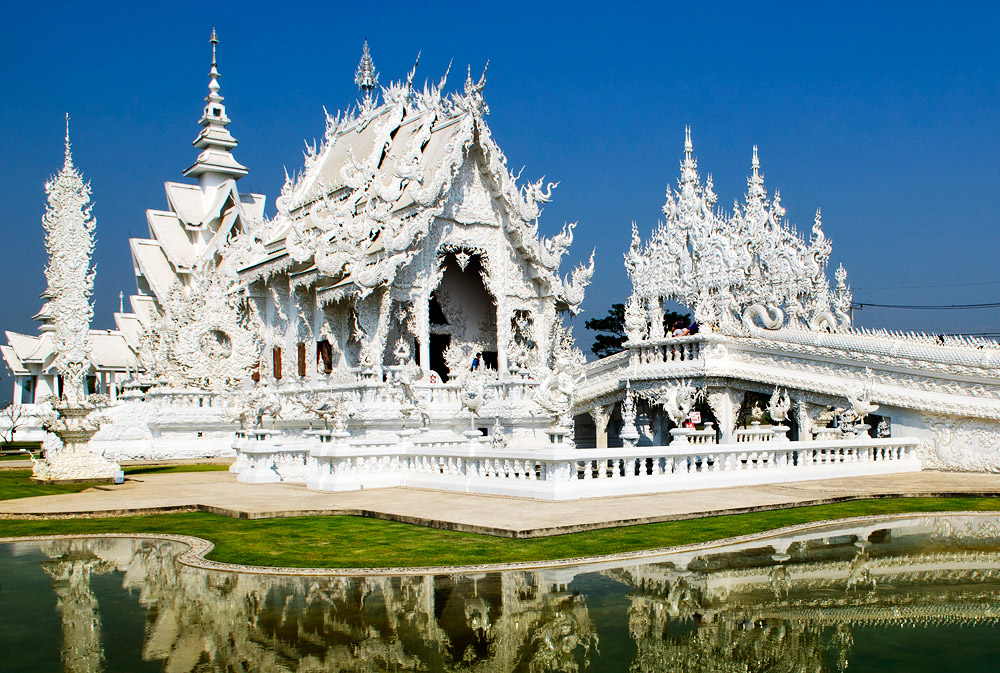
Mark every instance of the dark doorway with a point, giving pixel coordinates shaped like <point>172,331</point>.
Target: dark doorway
<point>439,342</point>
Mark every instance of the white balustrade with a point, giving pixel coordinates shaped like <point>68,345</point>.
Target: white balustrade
<point>669,351</point>
<point>755,433</point>
<point>556,472</point>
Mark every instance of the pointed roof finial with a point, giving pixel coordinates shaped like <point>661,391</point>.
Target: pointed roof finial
<point>365,76</point>
<point>413,72</point>
<point>215,141</point>
<point>68,161</point>
<point>689,167</point>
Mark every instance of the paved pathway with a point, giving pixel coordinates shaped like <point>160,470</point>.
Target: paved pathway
<point>512,517</point>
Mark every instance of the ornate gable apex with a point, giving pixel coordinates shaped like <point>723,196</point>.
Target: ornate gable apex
<point>369,194</point>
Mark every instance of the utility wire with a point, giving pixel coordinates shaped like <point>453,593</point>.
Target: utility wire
<point>935,307</point>
<point>928,287</point>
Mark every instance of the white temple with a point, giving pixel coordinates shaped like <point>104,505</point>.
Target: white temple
<point>399,322</point>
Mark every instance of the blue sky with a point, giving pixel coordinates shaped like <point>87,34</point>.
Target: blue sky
<point>883,114</point>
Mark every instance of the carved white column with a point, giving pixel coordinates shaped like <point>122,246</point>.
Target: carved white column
<point>601,416</point>
<point>629,433</point>
<point>721,400</point>
<point>656,318</point>
<point>424,331</point>
<point>503,334</point>
<point>803,420</point>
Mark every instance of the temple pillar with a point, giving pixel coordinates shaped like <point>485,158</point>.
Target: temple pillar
<point>656,318</point>
<point>423,320</point>
<point>803,420</point>
<point>722,401</point>
<point>601,416</point>
<point>503,336</point>
<point>291,333</point>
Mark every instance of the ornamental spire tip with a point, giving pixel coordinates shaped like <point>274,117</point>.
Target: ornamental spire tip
<point>69,156</point>
<point>365,76</point>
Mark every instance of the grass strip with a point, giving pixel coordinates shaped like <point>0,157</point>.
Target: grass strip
<point>357,542</point>
<point>171,469</point>
<point>18,484</point>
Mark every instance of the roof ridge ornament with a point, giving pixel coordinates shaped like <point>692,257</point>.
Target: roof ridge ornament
<point>366,77</point>
<point>413,72</point>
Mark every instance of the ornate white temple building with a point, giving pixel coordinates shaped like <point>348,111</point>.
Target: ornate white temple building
<point>399,321</point>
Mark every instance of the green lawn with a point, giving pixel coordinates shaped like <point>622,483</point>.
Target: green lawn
<point>352,542</point>
<point>170,469</point>
<point>17,483</point>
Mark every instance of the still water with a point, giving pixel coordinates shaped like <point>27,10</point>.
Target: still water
<point>915,594</point>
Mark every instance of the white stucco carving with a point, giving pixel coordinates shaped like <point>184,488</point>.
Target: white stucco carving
<point>744,270</point>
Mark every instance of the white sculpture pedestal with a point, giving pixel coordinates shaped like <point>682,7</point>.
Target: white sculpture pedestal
<point>75,462</point>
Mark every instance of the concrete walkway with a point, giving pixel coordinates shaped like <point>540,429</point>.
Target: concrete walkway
<point>219,492</point>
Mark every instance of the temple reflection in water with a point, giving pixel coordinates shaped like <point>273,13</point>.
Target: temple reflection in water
<point>784,604</point>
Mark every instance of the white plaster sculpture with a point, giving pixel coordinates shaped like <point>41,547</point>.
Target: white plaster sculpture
<point>748,270</point>
<point>779,405</point>
<point>69,241</point>
<point>777,408</point>
<point>677,401</point>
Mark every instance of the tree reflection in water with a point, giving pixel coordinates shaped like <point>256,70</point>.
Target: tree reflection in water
<point>783,604</point>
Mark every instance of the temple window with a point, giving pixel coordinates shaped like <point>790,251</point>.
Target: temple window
<point>324,356</point>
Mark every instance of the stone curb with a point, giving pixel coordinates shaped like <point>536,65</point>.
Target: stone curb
<point>199,548</point>
<point>510,533</point>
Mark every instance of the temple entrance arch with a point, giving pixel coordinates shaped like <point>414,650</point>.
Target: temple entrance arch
<point>462,318</point>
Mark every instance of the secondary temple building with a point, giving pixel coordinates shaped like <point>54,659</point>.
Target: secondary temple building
<point>399,321</point>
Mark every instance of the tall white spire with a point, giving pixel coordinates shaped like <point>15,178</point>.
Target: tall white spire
<point>69,240</point>
<point>216,162</point>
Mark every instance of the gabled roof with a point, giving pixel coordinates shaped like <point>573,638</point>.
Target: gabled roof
<point>144,307</point>
<point>152,263</point>
<point>14,364</point>
<point>187,201</point>
<point>166,228</point>
<point>368,197</point>
<point>109,350</point>
<point>130,326</point>
<point>23,344</point>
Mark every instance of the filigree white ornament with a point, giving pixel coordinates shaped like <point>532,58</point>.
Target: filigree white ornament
<point>747,270</point>
<point>69,240</point>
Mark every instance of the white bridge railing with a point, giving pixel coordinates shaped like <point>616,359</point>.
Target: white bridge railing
<point>557,473</point>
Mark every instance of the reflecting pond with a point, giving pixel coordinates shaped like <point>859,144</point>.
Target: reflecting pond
<point>906,594</point>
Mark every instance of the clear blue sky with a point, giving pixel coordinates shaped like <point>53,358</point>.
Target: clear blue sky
<point>883,114</point>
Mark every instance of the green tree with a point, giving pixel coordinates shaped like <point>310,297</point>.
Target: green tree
<point>610,337</point>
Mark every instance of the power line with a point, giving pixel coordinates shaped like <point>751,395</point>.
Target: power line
<point>928,287</point>
<point>975,334</point>
<point>933,307</point>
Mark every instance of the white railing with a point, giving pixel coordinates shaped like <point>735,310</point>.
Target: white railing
<point>183,398</point>
<point>559,473</point>
<point>671,350</point>
<point>755,433</point>
<point>827,434</point>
